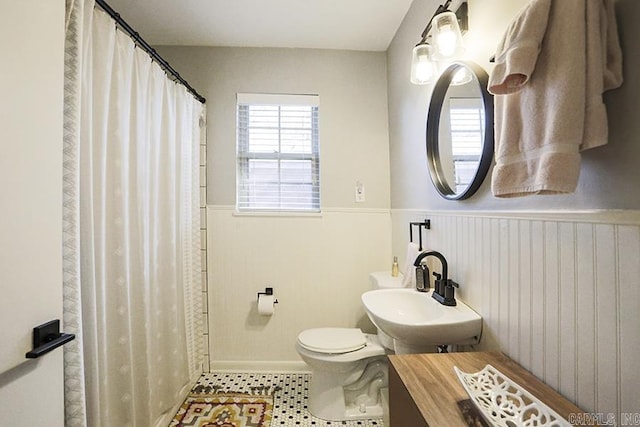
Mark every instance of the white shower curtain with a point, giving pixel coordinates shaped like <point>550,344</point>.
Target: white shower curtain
<point>132,233</point>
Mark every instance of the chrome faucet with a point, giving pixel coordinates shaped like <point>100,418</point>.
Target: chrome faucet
<point>443,289</point>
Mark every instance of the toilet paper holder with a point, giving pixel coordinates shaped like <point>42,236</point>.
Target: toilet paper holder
<point>267,291</point>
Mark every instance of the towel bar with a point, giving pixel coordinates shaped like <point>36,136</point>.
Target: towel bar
<point>427,226</point>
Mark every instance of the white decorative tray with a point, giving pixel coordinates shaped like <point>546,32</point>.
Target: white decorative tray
<point>504,403</point>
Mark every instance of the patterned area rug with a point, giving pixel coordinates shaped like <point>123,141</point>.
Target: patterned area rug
<point>224,410</point>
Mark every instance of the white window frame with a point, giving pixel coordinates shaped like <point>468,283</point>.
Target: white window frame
<point>244,186</point>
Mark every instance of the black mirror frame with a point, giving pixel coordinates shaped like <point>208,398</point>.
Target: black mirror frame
<point>433,128</point>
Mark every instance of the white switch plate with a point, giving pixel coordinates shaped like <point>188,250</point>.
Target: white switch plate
<point>360,192</point>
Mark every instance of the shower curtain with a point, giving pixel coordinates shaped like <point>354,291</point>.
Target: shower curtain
<point>131,229</point>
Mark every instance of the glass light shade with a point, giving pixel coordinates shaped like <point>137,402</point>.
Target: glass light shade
<point>461,77</point>
<point>423,67</point>
<point>447,36</point>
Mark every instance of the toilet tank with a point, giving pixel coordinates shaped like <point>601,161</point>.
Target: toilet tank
<point>384,280</point>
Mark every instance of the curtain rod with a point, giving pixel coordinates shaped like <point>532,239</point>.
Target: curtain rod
<point>139,41</point>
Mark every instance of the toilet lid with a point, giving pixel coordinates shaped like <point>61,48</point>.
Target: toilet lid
<point>332,340</point>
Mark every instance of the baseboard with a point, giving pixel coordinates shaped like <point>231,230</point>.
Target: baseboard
<point>241,366</point>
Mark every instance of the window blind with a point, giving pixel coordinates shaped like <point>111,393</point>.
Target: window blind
<point>278,153</point>
<point>467,134</point>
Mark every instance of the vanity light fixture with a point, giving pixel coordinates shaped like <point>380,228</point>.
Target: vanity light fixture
<point>446,33</point>
<point>441,41</point>
<point>423,65</point>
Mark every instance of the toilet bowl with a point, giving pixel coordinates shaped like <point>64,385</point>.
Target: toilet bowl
<point>349,373</point>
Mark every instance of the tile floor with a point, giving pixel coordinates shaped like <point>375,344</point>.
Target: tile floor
<point>290,396</point>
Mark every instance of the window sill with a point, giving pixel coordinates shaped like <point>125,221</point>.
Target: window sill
<point>278,214</point>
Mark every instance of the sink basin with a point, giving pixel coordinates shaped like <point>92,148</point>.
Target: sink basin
<point>416,320</point>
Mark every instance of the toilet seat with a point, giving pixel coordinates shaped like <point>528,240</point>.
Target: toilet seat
<point>332,340</point>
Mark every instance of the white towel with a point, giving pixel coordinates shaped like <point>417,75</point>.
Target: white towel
<point>552,66</point>
<point>409,278</point>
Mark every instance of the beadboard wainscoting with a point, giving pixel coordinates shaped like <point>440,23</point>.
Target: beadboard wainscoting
<point>558,292</point>
<point>317,264</point>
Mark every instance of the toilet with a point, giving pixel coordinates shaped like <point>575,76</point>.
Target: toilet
<point>349,367</point>
<point>349,370</point>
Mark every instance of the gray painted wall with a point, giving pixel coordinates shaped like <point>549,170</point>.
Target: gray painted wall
<point>609,175</point>
<point>354,137</point>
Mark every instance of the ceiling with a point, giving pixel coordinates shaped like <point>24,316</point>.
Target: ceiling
<point>325,24</point>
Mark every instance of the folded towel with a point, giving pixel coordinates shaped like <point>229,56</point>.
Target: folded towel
<point>409,278</point>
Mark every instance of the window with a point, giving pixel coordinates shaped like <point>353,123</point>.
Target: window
<point>467,134</point>
<point>277,153</point>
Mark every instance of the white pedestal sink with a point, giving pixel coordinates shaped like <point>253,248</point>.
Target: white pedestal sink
<point>417,322</point>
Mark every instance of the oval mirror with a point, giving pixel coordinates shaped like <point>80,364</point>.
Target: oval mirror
<point>460,131</point>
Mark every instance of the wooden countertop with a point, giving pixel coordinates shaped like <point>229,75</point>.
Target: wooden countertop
<point>436,390</point>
